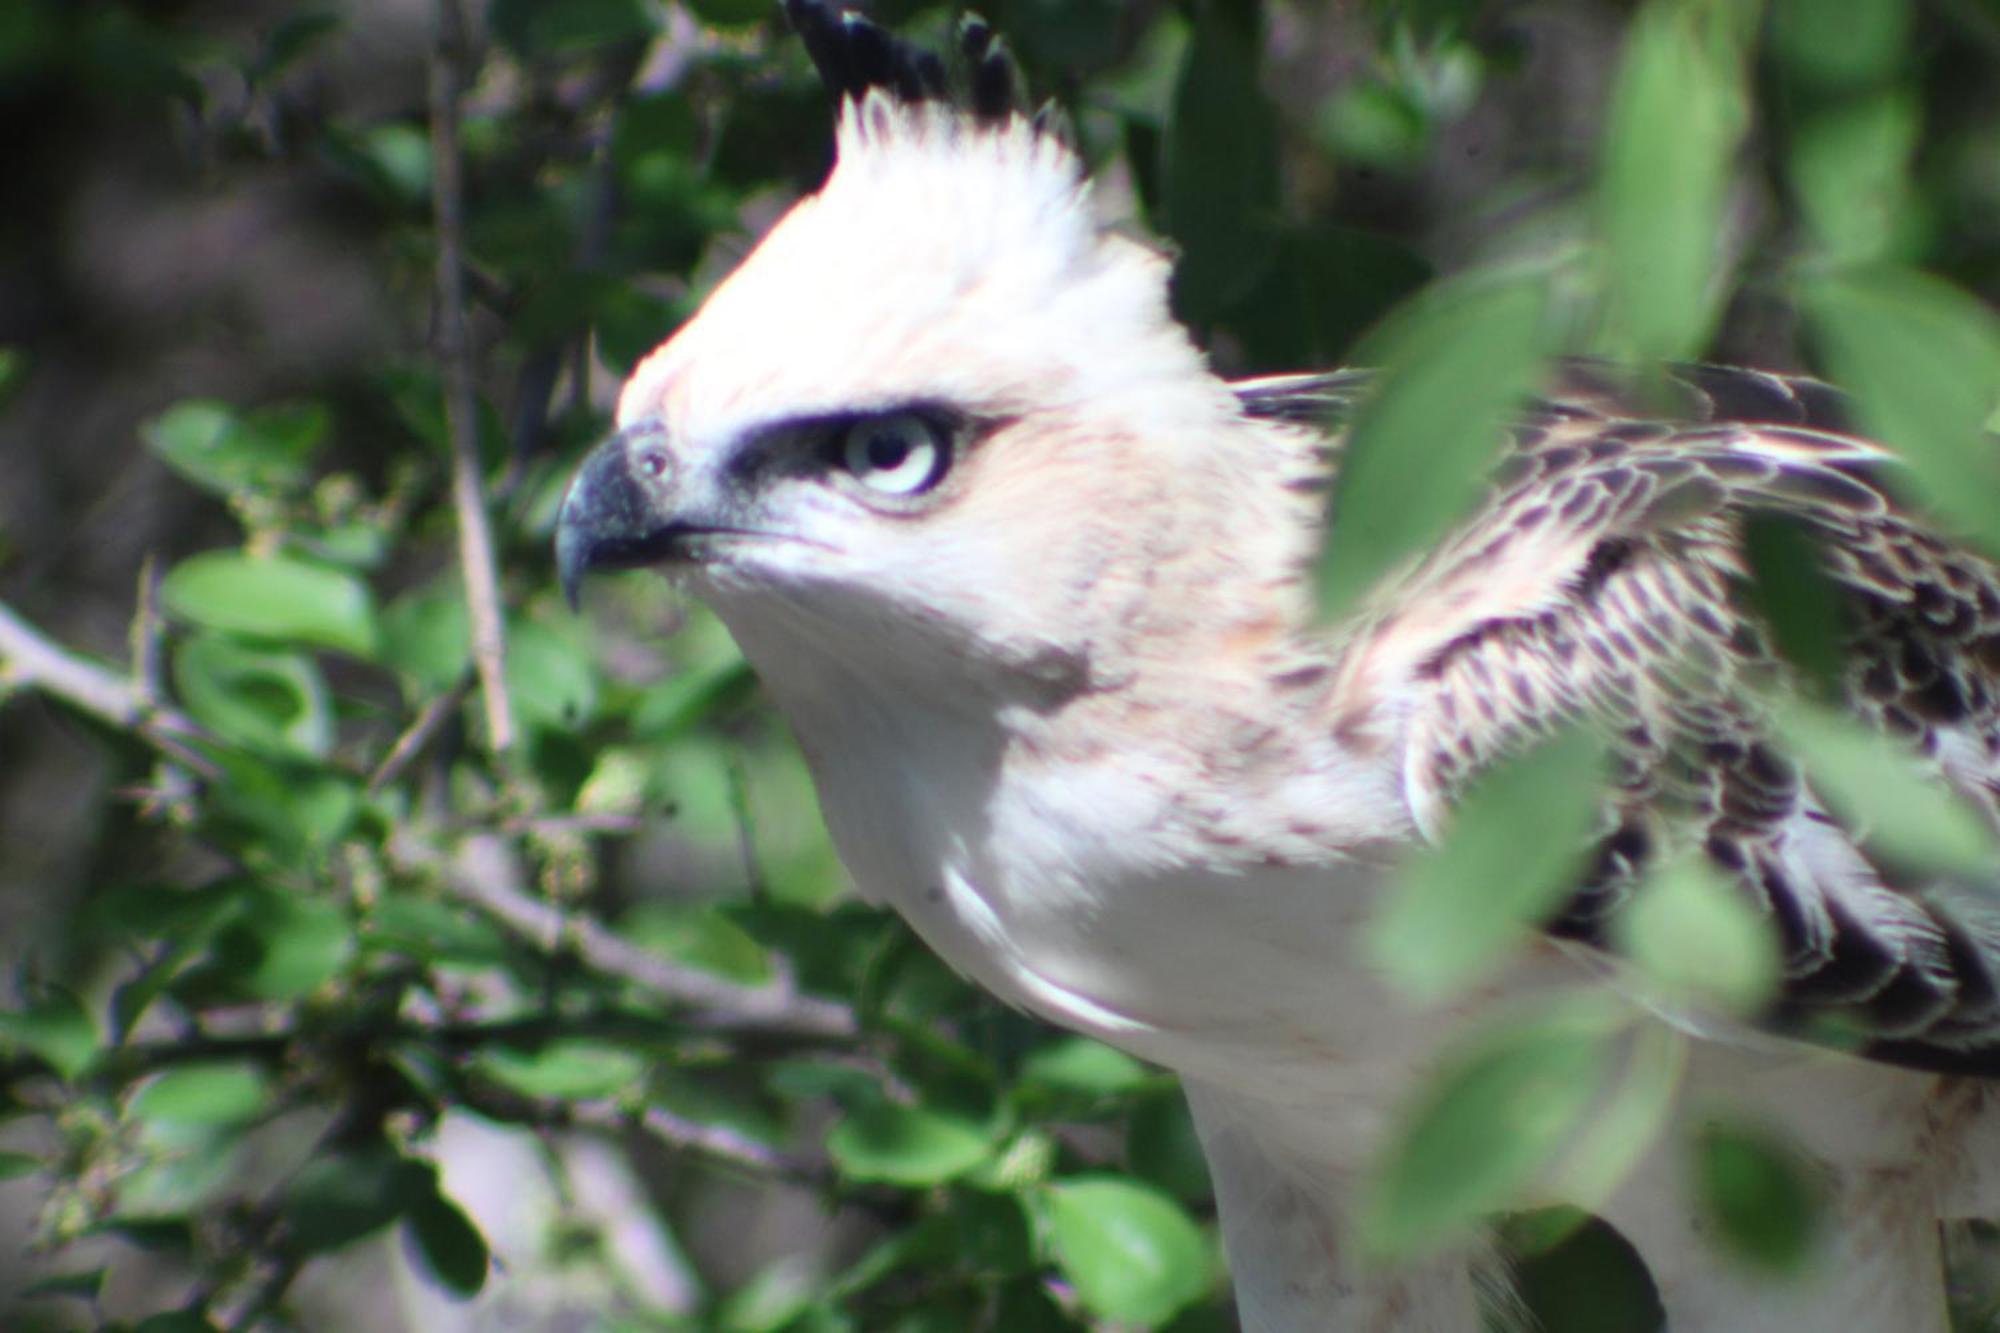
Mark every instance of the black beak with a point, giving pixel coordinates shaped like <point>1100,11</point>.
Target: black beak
<point>610,520</point>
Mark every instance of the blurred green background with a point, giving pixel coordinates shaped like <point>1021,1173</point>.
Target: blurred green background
<point>333,1002</point>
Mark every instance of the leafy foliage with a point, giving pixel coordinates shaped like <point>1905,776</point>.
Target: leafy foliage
<point>355,919</point>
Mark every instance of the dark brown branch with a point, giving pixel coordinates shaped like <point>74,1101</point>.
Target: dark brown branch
<point>454,351</point>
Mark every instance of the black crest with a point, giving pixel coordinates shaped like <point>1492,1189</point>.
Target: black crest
<point>853,55</point>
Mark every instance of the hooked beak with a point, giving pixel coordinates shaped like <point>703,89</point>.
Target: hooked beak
<point>612,519</point>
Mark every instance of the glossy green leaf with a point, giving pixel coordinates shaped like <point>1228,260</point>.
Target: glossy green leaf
<point>262,698</point>
<point>1677,113</point>
<point>1454,360</point>
<point>55,1028</point>
<point>273,597</point>
<point>1698,936</point>
<point>1759,1195</point>
<point>906,1145</point>
<point>570,1069</point>
<point>1515,847</point>
<point>1906,815</point>
<point>1493,1119</point>
<point>211,1093</point>
<point>1132,1253</point>
<point>1923,361</point>
<point>451,1247</point>
<point>426,635</point>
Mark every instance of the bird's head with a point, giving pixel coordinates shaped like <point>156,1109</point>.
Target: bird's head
<point>942,410</point>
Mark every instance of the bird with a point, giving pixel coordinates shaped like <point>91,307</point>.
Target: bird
<point>1033,586</point>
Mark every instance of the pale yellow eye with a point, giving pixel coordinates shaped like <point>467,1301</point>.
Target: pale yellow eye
<point>903,454</point>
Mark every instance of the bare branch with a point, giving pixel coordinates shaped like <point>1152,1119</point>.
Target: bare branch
<point>418,735</point>
<point>714,1142</point>
<point>30,658</point>
<point>487,876</point>
<point>475,532</point>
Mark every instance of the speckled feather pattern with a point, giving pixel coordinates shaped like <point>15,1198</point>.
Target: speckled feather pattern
<point>1624,530</point>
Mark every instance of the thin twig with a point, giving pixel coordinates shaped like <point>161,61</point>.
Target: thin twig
<point>482,877</point>
<point>418,735</point>
<point>475,533</point>
<point>678,1133</point>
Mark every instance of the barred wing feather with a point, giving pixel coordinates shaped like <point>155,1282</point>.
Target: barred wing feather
<point>1603,576</point>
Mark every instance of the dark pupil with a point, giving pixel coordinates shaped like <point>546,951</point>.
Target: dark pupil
<point>887,451</point>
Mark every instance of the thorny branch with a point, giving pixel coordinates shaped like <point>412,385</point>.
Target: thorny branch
<point>475,532</point>
<point>31,659</point>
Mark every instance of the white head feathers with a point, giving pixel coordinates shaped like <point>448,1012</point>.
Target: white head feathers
<point>945,259</point>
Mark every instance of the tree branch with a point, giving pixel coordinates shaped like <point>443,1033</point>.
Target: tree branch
<point>475,532</point>
<point>31,659</point>
<point>485,877</point>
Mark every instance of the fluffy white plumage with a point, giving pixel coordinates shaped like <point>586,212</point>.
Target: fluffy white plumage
<point>1066,709</point>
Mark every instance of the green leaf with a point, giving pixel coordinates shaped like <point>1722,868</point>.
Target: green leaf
<point>1515,847</point>
<point>1873,780</point>
<point>730,13</point>
<point>1677,113</point>
<point>1078,1064</point>
<point>551,676</point>
<point>84,1286</point>
<point>1759,1195</point>
<point>450,1245</point>
<point>570,1069</point>
<point>273,597</point>
<point>701,936</point>
<point>213,1093</point>
<point>14,1165</point>
<point>536,28</point>
<point>55,1028</point>
<point>1841,43</point>
<point>292,812</point>
<point>264,699</point>
<point>1162,1147</point>
<point>1220,174</point>
<point>906,1145</point>
<point>426,635</point>
<point>1699,937</point>
<point>1455,360</point>
<point>175,1321</point>
<point>1923,361</point>
<point>434,931</point>
<point>340,1198</point>
<point>284,947</point>
<point>1630,1119</point>
<point>1850,168</point>
<point>1495,1116</point>
<point>1131,1252</point>
<point>228,452</point>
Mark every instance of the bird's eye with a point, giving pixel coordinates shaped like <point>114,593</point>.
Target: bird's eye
<point>902,454</point>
